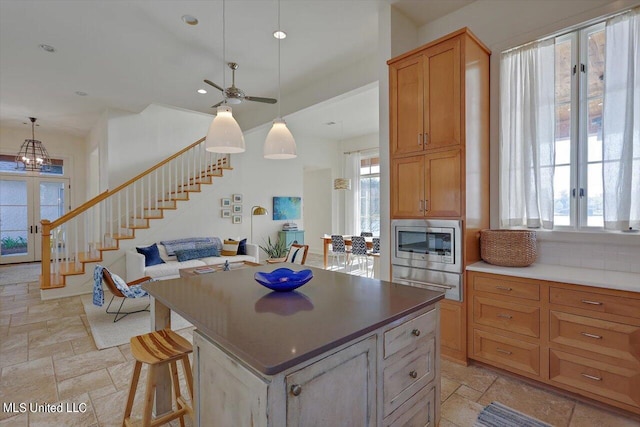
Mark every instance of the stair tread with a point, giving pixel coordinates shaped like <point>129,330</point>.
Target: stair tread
<point>102,247</point>
<point>123,236</point>
<point>88,257</point>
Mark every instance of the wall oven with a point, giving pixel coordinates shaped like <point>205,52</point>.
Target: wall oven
<point>428,254</point>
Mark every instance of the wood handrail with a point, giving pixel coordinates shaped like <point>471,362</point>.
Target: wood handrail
<point>100,197</point>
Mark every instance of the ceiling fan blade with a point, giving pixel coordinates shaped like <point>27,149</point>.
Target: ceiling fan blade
<point>218,104</point>
<point>209,82</point>
<point>259,99</point>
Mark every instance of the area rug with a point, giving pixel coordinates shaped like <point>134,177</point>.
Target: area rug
<point>19,273</point>
<point>107,334</point>
<point>498,415</point>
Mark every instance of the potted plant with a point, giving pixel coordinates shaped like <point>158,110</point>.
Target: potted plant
<point>277,250</point>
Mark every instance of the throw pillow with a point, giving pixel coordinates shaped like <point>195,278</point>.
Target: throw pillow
<point>151,255</point>
<point>230,248</point>
<point>242,246</point>
<point>203,252</point>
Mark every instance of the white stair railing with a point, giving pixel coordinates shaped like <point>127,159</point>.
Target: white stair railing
<point>81,235</point>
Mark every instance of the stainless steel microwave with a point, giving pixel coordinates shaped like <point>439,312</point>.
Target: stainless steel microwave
<point>430,244</point>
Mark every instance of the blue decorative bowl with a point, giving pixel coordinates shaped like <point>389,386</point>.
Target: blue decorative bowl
<point>283,279</point>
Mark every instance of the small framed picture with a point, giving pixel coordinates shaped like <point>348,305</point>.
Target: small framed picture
<point>225,202</point>
<point>237,219</point>
<point>225,213</point>
<point>237,198</point>
<point>237,209</point>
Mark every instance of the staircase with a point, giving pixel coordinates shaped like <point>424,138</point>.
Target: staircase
<point>75,242</point>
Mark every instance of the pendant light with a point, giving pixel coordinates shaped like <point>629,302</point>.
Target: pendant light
<point>32,155</point>
<point>279,143</point>
<point>224,135</point>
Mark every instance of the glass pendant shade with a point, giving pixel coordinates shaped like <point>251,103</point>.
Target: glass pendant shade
<point>280,143</point>
<point>225,135</point>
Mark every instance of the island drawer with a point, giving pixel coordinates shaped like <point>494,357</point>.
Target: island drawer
<point>518,318</point>
<point>506,352</point>
<point>506,286</point>
<point>595,377</point>
<point>410,334</point>
<point>405,373</point>
<point>419,411</point>
<point>595,302</point>
<point>599,336</point>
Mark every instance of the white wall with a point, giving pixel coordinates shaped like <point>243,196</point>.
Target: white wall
<point>70,148</point>
<point>503,24</point>
<point>138,141</point>
<point>317,207</point>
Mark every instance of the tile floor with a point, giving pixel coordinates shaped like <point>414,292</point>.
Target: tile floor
<point>47,355</point>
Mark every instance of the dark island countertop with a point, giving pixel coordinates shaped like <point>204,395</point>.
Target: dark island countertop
<point>273,331</point>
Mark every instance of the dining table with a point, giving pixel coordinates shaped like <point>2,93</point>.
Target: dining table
<point>326,239</point>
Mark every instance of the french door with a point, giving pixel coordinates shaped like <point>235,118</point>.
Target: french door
<point>24,202</point>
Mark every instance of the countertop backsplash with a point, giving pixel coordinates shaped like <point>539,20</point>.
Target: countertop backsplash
<point>602,256</point>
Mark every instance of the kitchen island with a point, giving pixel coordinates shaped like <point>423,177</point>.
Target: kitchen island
<point>341,350</point>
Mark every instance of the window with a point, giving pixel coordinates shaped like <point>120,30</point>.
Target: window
<point>569,136</point>
<point>370,195</point>
<point>8,164</point>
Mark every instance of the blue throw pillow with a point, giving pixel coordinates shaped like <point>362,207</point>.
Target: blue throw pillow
<point>242,246</point>
<point>188,254</point>
<point>151,255</point>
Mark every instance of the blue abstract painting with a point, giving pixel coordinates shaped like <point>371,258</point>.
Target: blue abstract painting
<point>287,208</point>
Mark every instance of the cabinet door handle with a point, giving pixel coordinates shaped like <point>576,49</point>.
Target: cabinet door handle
<point>591,377</point>
<point>586,301</point>
<point>426,205</point>
<point>420,208</point>
<point>504,288</point>
<point>586,334</point>
<point>296,390</point>
<point>413,374</point>
<point>426,138</point>
<point>505,316</point>
<point>499,350</point>
<point>415,332</point>
<point>419,139</point>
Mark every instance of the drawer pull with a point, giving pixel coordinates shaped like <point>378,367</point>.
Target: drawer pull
<point>586,334</point>
<point>416,332</point>
<point>505,316</point>
<point>296,389</point>
<point>499,350</point>
<point>419,139</point>
<point>504,288</point>
<point>591,377</point>
<point>413,374</point>
<point>586,301</point>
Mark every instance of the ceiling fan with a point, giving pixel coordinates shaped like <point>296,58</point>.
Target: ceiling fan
<point>233,95</point>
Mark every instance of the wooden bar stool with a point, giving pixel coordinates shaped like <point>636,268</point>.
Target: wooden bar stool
<point>157,349</point>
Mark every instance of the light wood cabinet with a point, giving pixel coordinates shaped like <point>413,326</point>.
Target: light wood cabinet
<point>439,146</point>
<point>425,99</point>
<point>389,377</point>
<point>430,183</point>
<point>578,338</point>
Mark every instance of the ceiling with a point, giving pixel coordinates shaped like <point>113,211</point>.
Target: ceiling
<point>129,54</point>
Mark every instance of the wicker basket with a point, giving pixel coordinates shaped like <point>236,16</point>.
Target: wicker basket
<point>508,248</point>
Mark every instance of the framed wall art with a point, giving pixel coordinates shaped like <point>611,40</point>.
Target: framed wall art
<point>237,198</point>
<point>237,219</point>
<point>287,208</point>
<point>225,213</point>
<point>225,202</point>
<point>237,209</point>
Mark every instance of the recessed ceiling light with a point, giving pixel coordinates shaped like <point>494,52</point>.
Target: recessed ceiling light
<point>279,34</point>
<point>47,48</point>
<point>202,91</point>
<point>81,93</point>
<point>191,20</point>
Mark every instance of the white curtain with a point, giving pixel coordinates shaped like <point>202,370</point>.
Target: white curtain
<point>352,202</point>
<point>621,123</point>
<point>527,135</point>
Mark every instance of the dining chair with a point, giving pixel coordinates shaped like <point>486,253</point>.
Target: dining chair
<point>366,234</point>
<point>297,254</point>
<point>376,245</point>
<point>338,249</point>
<point>359,251</point>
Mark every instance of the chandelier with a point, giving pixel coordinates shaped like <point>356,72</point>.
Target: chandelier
<point>32,155</point>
